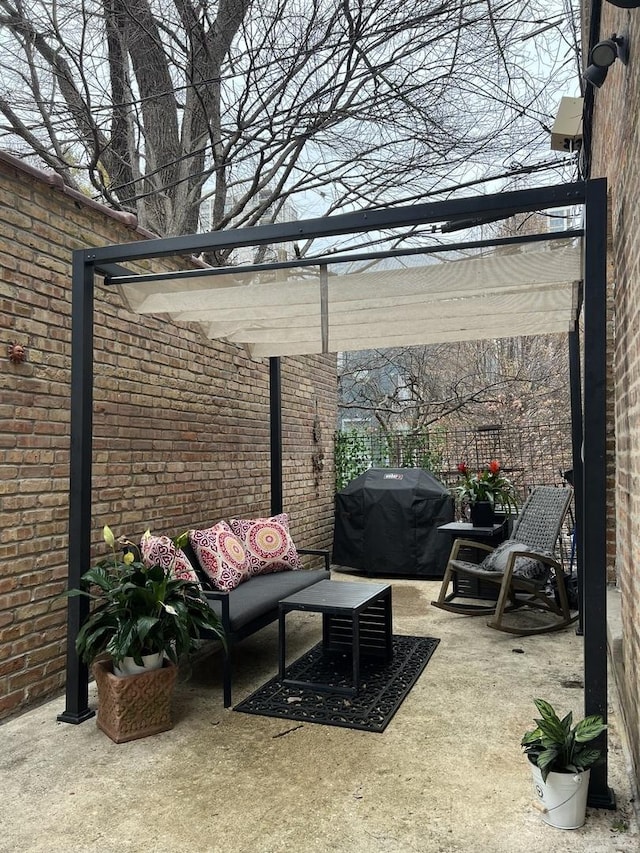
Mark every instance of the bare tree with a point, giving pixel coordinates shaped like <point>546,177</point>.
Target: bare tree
<point>156,105</point>
<point>518,381</point>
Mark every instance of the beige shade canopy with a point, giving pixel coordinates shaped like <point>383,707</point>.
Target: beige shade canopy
<point>528,290</point>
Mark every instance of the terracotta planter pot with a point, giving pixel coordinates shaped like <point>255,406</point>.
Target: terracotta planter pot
<point>134,706</point>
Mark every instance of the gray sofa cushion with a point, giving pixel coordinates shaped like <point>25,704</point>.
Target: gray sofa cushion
<point>262,593</point>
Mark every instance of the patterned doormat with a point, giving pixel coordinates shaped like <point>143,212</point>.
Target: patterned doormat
<point>383,687</point>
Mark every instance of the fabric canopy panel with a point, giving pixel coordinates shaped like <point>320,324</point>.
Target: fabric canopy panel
<point>309,310</point>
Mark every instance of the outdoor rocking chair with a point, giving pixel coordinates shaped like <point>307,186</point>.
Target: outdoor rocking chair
<point>517,572</point>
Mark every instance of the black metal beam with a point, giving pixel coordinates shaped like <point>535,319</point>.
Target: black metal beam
<point>499,205</point>
<point>275,408</point>
<point>594,540</point>
<point>111,270</point>
<point>77,708</point>
<point>322,260</point>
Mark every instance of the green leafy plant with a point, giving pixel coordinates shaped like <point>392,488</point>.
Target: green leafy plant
<point>487,484</point>
<point>419,450</point>
<point>140,610</point>
<point>555,746</point>
<point>352,456</point>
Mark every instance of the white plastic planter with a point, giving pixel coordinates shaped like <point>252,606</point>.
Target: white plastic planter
<point>562,799</point>
<point>128,666</point>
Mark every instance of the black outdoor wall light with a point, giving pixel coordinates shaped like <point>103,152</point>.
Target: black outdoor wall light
<point>602,56</point>
<point>625,4</point>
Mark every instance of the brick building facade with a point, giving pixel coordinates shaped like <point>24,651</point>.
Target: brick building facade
<point>181,424</point>
<point>616,155</point>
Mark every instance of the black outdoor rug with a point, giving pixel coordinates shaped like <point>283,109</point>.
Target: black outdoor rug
<point>383,687</point>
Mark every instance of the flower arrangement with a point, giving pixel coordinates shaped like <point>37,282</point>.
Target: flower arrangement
<point>487,484</point>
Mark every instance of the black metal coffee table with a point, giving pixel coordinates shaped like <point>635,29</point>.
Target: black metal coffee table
<point>356,618</point>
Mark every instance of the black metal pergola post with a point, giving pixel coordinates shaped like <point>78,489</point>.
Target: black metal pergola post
<point>593,536</point>
<point>275,429</point>
<point>82,294</point>
<point>591,433</point>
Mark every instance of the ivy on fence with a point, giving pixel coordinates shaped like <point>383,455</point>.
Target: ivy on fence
<point>352,456</point>
<point>356,452</point>
<point>531,455</point>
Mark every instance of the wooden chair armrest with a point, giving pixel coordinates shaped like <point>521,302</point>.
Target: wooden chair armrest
<point>469,543</point>
<point>533,555</point>
<point>526,582</point>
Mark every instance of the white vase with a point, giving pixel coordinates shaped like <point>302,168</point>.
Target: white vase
<point>562,798</point>
<point>128,666</point>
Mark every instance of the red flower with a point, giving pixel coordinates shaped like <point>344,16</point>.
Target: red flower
<point>487,484</point>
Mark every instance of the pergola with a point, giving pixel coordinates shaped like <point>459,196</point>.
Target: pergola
<point>311,305</point>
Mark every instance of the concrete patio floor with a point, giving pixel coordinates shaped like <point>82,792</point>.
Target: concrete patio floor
<point>447,775</point>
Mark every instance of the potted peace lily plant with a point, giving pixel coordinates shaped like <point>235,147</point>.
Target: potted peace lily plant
<point>483,491</point>
<point>561,756</point>
<point>143,620</point>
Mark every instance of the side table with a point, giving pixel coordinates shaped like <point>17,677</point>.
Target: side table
<point>466,587</point>
<point>493,535</point>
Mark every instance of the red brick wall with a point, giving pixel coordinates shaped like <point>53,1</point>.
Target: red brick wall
<point>616,155</point>
<point>181,425</point>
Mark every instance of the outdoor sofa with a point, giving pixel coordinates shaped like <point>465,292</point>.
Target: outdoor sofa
<point>244,568</point>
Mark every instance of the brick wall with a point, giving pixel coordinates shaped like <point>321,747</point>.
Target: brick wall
<point>616,155</point>
<point>181,425</point>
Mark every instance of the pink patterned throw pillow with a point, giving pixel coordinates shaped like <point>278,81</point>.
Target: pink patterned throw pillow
<point>221,555</point>
<point>268,543</point>
<point>161,551</point>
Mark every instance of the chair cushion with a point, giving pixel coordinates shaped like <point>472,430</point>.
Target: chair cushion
<point>221,555</point>
<point>525,567</point>
<point>268,543</point>
<point>161,551</point>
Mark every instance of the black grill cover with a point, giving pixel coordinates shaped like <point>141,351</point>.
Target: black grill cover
<point>386,523</point>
